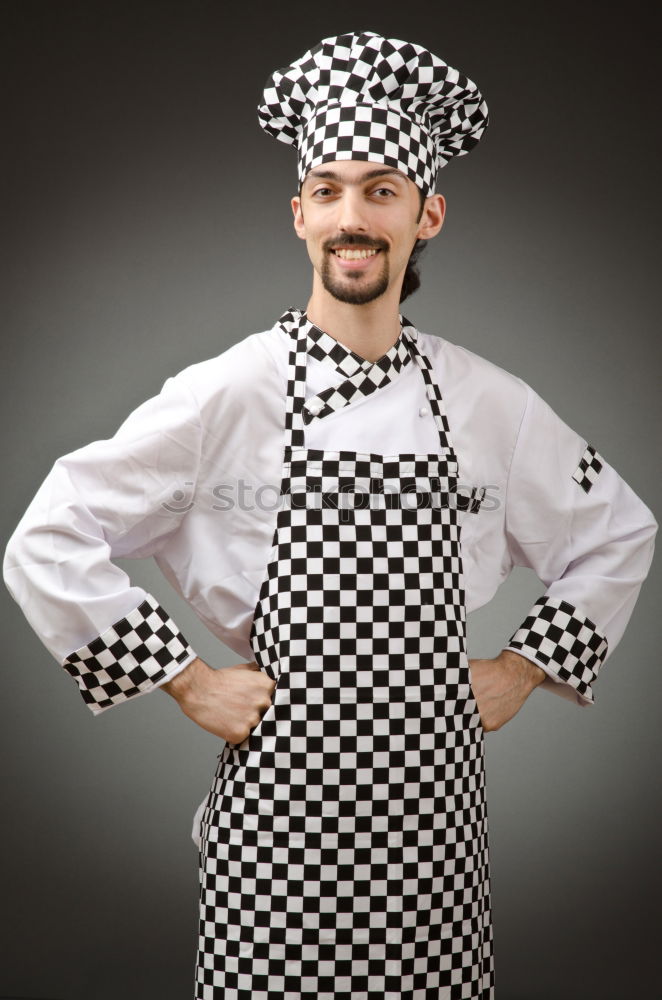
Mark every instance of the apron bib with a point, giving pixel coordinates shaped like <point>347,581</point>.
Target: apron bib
<point>344,843</point>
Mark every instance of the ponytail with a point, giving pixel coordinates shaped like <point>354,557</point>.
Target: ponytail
<point>412,279</point>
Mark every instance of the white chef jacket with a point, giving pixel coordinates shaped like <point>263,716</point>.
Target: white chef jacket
<point>192,478</point>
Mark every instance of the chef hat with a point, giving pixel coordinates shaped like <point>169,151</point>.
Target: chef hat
<point>363,97</point>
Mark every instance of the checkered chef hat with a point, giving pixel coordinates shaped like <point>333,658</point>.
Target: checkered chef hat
<point>363,97</point>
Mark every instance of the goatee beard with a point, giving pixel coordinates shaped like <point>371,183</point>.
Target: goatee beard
<point>341,289</point>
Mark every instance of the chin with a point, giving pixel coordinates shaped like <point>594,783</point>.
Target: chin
<point>353,290</point>
<point>357,297</point>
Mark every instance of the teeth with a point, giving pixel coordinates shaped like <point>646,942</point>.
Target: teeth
<point>354,254</point>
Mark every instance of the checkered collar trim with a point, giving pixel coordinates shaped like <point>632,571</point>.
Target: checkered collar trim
<point>323,347</point>
<point>362,377</point>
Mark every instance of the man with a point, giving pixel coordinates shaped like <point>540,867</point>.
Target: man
<point>344,841</point>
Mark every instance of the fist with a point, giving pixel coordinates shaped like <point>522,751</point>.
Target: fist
<point>228,702</point>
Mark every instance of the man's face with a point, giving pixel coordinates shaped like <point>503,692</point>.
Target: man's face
<point>360,221</point>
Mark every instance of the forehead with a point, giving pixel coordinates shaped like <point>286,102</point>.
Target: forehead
<point>355,172</point>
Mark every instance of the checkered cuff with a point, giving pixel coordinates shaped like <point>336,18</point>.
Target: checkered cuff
<point>129,658</point>
<point>565,642</point>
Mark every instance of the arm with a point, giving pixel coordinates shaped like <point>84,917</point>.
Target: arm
<point>572,519</point>
<point>103,501</point>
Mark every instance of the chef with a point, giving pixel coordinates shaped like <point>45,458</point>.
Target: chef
<point>332,496</point>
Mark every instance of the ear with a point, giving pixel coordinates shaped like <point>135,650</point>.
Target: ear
<point>432,218</point>
<point>299,226</point>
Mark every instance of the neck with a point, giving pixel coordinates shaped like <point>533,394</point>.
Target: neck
<point>369,330</point>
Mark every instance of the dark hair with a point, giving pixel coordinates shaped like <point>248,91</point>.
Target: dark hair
<point>412,279</point>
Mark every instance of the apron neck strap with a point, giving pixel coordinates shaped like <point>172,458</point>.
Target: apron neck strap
<point>434,396</point>
<point>296,383</point>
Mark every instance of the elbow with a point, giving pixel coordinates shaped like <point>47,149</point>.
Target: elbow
<point>648,529</point>
<point>26,553</point>
<point>12,561</point>
<point>640,546</point>
<point>652,525</point>
<point>634,535</point>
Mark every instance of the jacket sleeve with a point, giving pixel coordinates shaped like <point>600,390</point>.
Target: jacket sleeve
<point>110,499</point>
<point>589,539</point>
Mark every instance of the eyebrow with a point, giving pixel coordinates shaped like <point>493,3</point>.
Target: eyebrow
<point>332,175</point>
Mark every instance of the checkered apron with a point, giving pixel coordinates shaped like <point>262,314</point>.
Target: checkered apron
<point>344,843</point>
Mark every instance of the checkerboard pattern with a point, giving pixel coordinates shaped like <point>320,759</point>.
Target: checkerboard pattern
<point>368,377</point>
<point>128,658</point>
<point>346,480</point>
<point>363,97</point>
<point>344,851</point>
<point>589,468</point>
<point>434,396</point>
<point>368,132</point>
<point>559,636</point>
<point>323,347</point>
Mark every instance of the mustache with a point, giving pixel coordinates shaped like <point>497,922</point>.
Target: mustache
<point>354,240</point>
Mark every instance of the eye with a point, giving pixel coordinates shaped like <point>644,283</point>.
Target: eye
<point>322,192</point>
<point>384,192</point>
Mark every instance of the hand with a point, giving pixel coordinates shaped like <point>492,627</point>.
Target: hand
<point>228,702</point>
<point>502,685</point>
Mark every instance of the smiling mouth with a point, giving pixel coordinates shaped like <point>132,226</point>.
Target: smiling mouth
<point>347,254</point>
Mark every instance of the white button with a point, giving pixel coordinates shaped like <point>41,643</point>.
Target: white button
<point>423,412</point>
<point>314,406</point>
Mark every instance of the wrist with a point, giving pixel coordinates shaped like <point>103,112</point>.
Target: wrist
<point>184,683</point>
<point>533,674</point>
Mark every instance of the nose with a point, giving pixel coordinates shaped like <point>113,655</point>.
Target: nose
<point>352,216</point>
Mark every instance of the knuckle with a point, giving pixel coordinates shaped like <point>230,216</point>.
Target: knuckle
<point>239,734</point>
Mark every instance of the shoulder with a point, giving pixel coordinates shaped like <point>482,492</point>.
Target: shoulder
<point>251,368</point>
<point>462,374</point>
<point>237,367</point>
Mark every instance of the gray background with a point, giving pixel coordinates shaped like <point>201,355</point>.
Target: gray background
<point>147,226</point>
